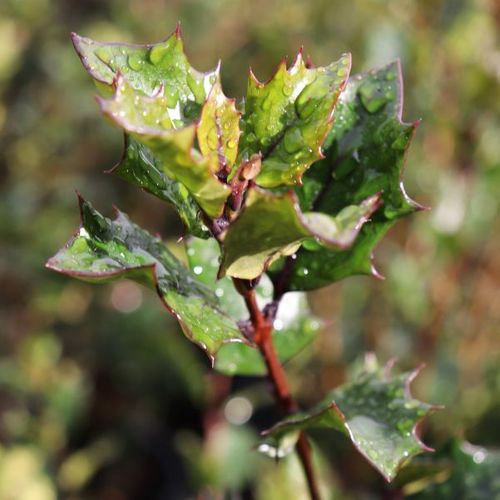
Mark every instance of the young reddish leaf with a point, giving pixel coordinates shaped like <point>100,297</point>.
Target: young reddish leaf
<point>365,154</point>
<point>287,119</point>
<point>376,411</point>
<point>139,166</point>
<point>150,120</point>
<point>104,250</point>
<point>272,225</point>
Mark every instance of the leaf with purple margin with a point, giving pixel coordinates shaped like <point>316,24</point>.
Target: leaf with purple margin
<point>271,225</point>
<point>139,166</point>
<point>150,121</point>
<point>147,68</point>
<point>365,154</point>
<point>287,118</point>
<point>105,250</point>
<point>376,411</point>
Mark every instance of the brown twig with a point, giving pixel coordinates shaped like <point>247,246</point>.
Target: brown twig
<point>262,336</point>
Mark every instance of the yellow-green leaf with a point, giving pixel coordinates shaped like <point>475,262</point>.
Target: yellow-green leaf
<point>287,118</point>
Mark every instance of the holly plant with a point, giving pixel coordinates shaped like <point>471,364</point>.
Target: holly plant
<point>287,191</point>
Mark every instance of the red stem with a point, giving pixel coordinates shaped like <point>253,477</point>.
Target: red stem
<point>263,338</point>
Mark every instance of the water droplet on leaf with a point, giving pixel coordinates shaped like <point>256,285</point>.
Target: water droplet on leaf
<point>135,61</point>
<point>157,54</point>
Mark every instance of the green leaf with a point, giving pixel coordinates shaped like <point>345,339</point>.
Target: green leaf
<point>474,474</point>
<point>204,261</point>
<point>272,225</point>
<point>219,129</point>
<point>147,68</point>
<point>104,250</point>
<point>294,327</point>
<point>287,118</point>
<point>376,411</point>
<point>140,167</point>
<point>150,120</point>
<point>365,154</point>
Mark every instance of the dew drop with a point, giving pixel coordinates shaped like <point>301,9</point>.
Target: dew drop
<point>196,87</point>
<point>287,90</point>
<point>231,144</point>
<point>303,271</point>
<point>157,54</point>
<point>342,72</point>
<point>371,97</point>
<point>278,324</point>
<point>135,61</point>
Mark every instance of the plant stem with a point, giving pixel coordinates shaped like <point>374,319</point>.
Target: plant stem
<point>263,338</point>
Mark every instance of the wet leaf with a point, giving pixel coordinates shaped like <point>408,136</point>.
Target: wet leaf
<point>140,167</point>
<point>219,130</point>
<point>272,225</point>
<point>104,250</point>
<point>473,476</point>
<point>376,411</point>
<point>150,121</point>
<point>287,118</point>
<point>295,325</point>
<point>147,68</point>
<point>294,329</point>
<point>365,154</point>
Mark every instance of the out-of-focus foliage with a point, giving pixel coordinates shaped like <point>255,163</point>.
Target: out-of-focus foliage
<point>100,397</point>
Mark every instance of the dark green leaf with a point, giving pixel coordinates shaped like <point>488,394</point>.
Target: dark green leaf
<point>376,411</point>
<point>287,118</point>
<point>104,250</point>
<point>365,154</point>
<point>271,225</point>
<point>140,167</point>
<point>295,326</point>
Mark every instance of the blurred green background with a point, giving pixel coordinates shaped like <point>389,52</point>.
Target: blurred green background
<point>101,397</point>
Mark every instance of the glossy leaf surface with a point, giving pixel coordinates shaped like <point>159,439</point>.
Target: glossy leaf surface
<point>273,225</point>
<point>376,411</point>
<point>140,167</point>
<point>104,250</point>
<point>147,68</point>
<point>150,121</point>
<point>219,129</point>
<point>295,326</point>
<point>287,118</point>
<point>365,154</point>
